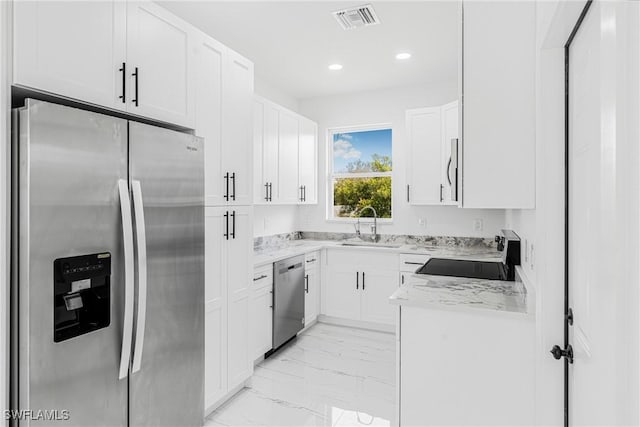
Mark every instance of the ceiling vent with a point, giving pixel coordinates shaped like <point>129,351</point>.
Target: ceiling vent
<point>355,17</point>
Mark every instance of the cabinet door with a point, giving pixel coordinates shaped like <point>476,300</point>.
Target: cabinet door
<point>288,191</point>
<point>215,295</point>
<point>161,46</point>
<point>237,141</point>
<point>307,160</point>
<point>499,105</point>
<point>449,132</point>
<point>261,321</point>
<point>341,294</point>
<point>210,60</point>
<point>239,273</point>
<point>73,49</point>
<point>377,287</point>
<point>425,156</point>
<point>270,151</point>
<point>311,296</point>
<point>259,180</point>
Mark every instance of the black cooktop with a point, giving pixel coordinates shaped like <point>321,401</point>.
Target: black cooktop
<point>464,268</point>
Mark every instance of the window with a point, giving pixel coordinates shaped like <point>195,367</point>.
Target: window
<point>360,172</point>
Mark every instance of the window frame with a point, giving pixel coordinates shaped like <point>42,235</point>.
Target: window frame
<point>331,176</point>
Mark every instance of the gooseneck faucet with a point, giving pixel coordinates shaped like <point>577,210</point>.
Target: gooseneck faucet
<point>374,226</point>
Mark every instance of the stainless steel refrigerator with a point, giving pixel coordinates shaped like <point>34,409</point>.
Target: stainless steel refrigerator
<point>108,271</point>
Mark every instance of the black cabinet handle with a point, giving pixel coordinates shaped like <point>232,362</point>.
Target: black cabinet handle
<point>266,191</point>
<point>357,280</point>
<point>226,179</point>
<point>262,276</point>
<point>233,187</point>
<point>304,193</point>
<point>312,260</point>
<point>124,82</point>
<point>441,188</point>
<point>413,263</point>
<point>408,193</point>
<point>136,74</point>
<point>233,226</point>
<point>301,194</point>
<point>401,276</point>
<point>363,280</point>
<point>306,283</point>
<point>271,191</point>
<point>226,228</point>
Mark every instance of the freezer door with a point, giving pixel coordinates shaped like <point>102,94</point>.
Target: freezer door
<point>69,327</point>
<point>167,388</point>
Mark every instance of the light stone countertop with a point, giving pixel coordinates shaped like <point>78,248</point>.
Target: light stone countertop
<point>299,247</point>
<point>461,293</point>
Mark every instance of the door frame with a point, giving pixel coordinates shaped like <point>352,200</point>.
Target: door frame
<point>568,313</point>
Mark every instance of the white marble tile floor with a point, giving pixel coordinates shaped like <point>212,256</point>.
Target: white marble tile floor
<point>329,376</point>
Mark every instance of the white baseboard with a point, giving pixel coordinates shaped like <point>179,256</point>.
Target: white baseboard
<point>370,326</point>
<point>208,411</point>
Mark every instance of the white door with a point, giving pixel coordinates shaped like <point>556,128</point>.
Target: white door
<point>377,287</point>
<point>603,215</point>
<point>449,132</point>
<point>239,273</point>
<point>210,60</point>
<point>215,295</point>
<point>161,47</point>
<point>261,321</point>
<point>237,141</point>
<point>308,160</point>
<point>341,293</point>
<point>424,129</point>
<point>311,296</point>
<point>288,191</point>
<point>73,49</point>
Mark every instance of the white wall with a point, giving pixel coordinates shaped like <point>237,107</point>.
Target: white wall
<point>274,219</point>
<point>273,93</point>
<point>388,106</point>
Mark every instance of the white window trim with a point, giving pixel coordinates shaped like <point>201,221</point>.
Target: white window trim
<point>331,176</point>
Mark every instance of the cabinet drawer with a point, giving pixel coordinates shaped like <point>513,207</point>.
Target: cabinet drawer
<point>409,263</point>
<point>262,276</point>
<point>362,258</point>
<point>312,260</point>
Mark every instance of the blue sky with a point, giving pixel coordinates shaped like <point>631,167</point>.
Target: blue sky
<point>361,145</point>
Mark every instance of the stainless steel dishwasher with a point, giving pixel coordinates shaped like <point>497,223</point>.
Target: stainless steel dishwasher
<point>288,299</point>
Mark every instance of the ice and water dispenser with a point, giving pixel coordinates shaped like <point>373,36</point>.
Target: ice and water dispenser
<point>82,293</point>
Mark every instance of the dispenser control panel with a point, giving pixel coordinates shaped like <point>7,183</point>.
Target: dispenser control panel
<point>81,295</point>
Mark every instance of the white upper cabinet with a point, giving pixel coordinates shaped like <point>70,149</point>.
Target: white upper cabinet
<point>287,190</point>
<point>285,155</point>
<point>237,146</point>
<point>160,60</point>
<point>224,87</point>
<point>73,49</point>
<point>129,56</point>
<point>498,167</point>
<point>308,161</point>
<point>424,130</point>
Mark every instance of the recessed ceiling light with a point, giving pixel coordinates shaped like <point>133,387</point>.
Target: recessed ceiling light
<point>403,55</point>
<point>335,67</point>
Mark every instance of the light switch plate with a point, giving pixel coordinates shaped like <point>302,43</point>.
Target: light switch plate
<point>477,224</point>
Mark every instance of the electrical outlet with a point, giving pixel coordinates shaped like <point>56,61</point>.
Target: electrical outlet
<point>422,222</point>
<point>477,224</point>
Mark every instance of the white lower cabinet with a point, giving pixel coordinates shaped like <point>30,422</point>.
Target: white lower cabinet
<point>261,312</point>
<point>228,260</point>
<point>358,285</point>
<point>311,288</point>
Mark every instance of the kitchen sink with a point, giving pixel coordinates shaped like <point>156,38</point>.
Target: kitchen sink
<point>369,244</point>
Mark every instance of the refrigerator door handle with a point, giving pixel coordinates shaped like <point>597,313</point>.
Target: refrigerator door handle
<point>127,236</point>
<point>141,240</point>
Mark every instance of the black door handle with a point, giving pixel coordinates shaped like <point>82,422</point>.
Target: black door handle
<point>306,283</point>
<point>136,74</point>
<point>124,82</point>
<point>266,191</point>
<point>559,353</point>
<point>304,193</point>
<point>357,280</point>
<point>271,191</point>
<point>226,228</point>
<point>226,194</point>
<point>233,186</point>
<point>233,226</point>
<point>363,280</point>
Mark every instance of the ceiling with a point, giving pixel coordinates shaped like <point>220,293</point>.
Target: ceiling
<point>293,43</point>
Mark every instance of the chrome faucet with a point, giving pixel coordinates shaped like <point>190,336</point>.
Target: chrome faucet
<point>374,226</point>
